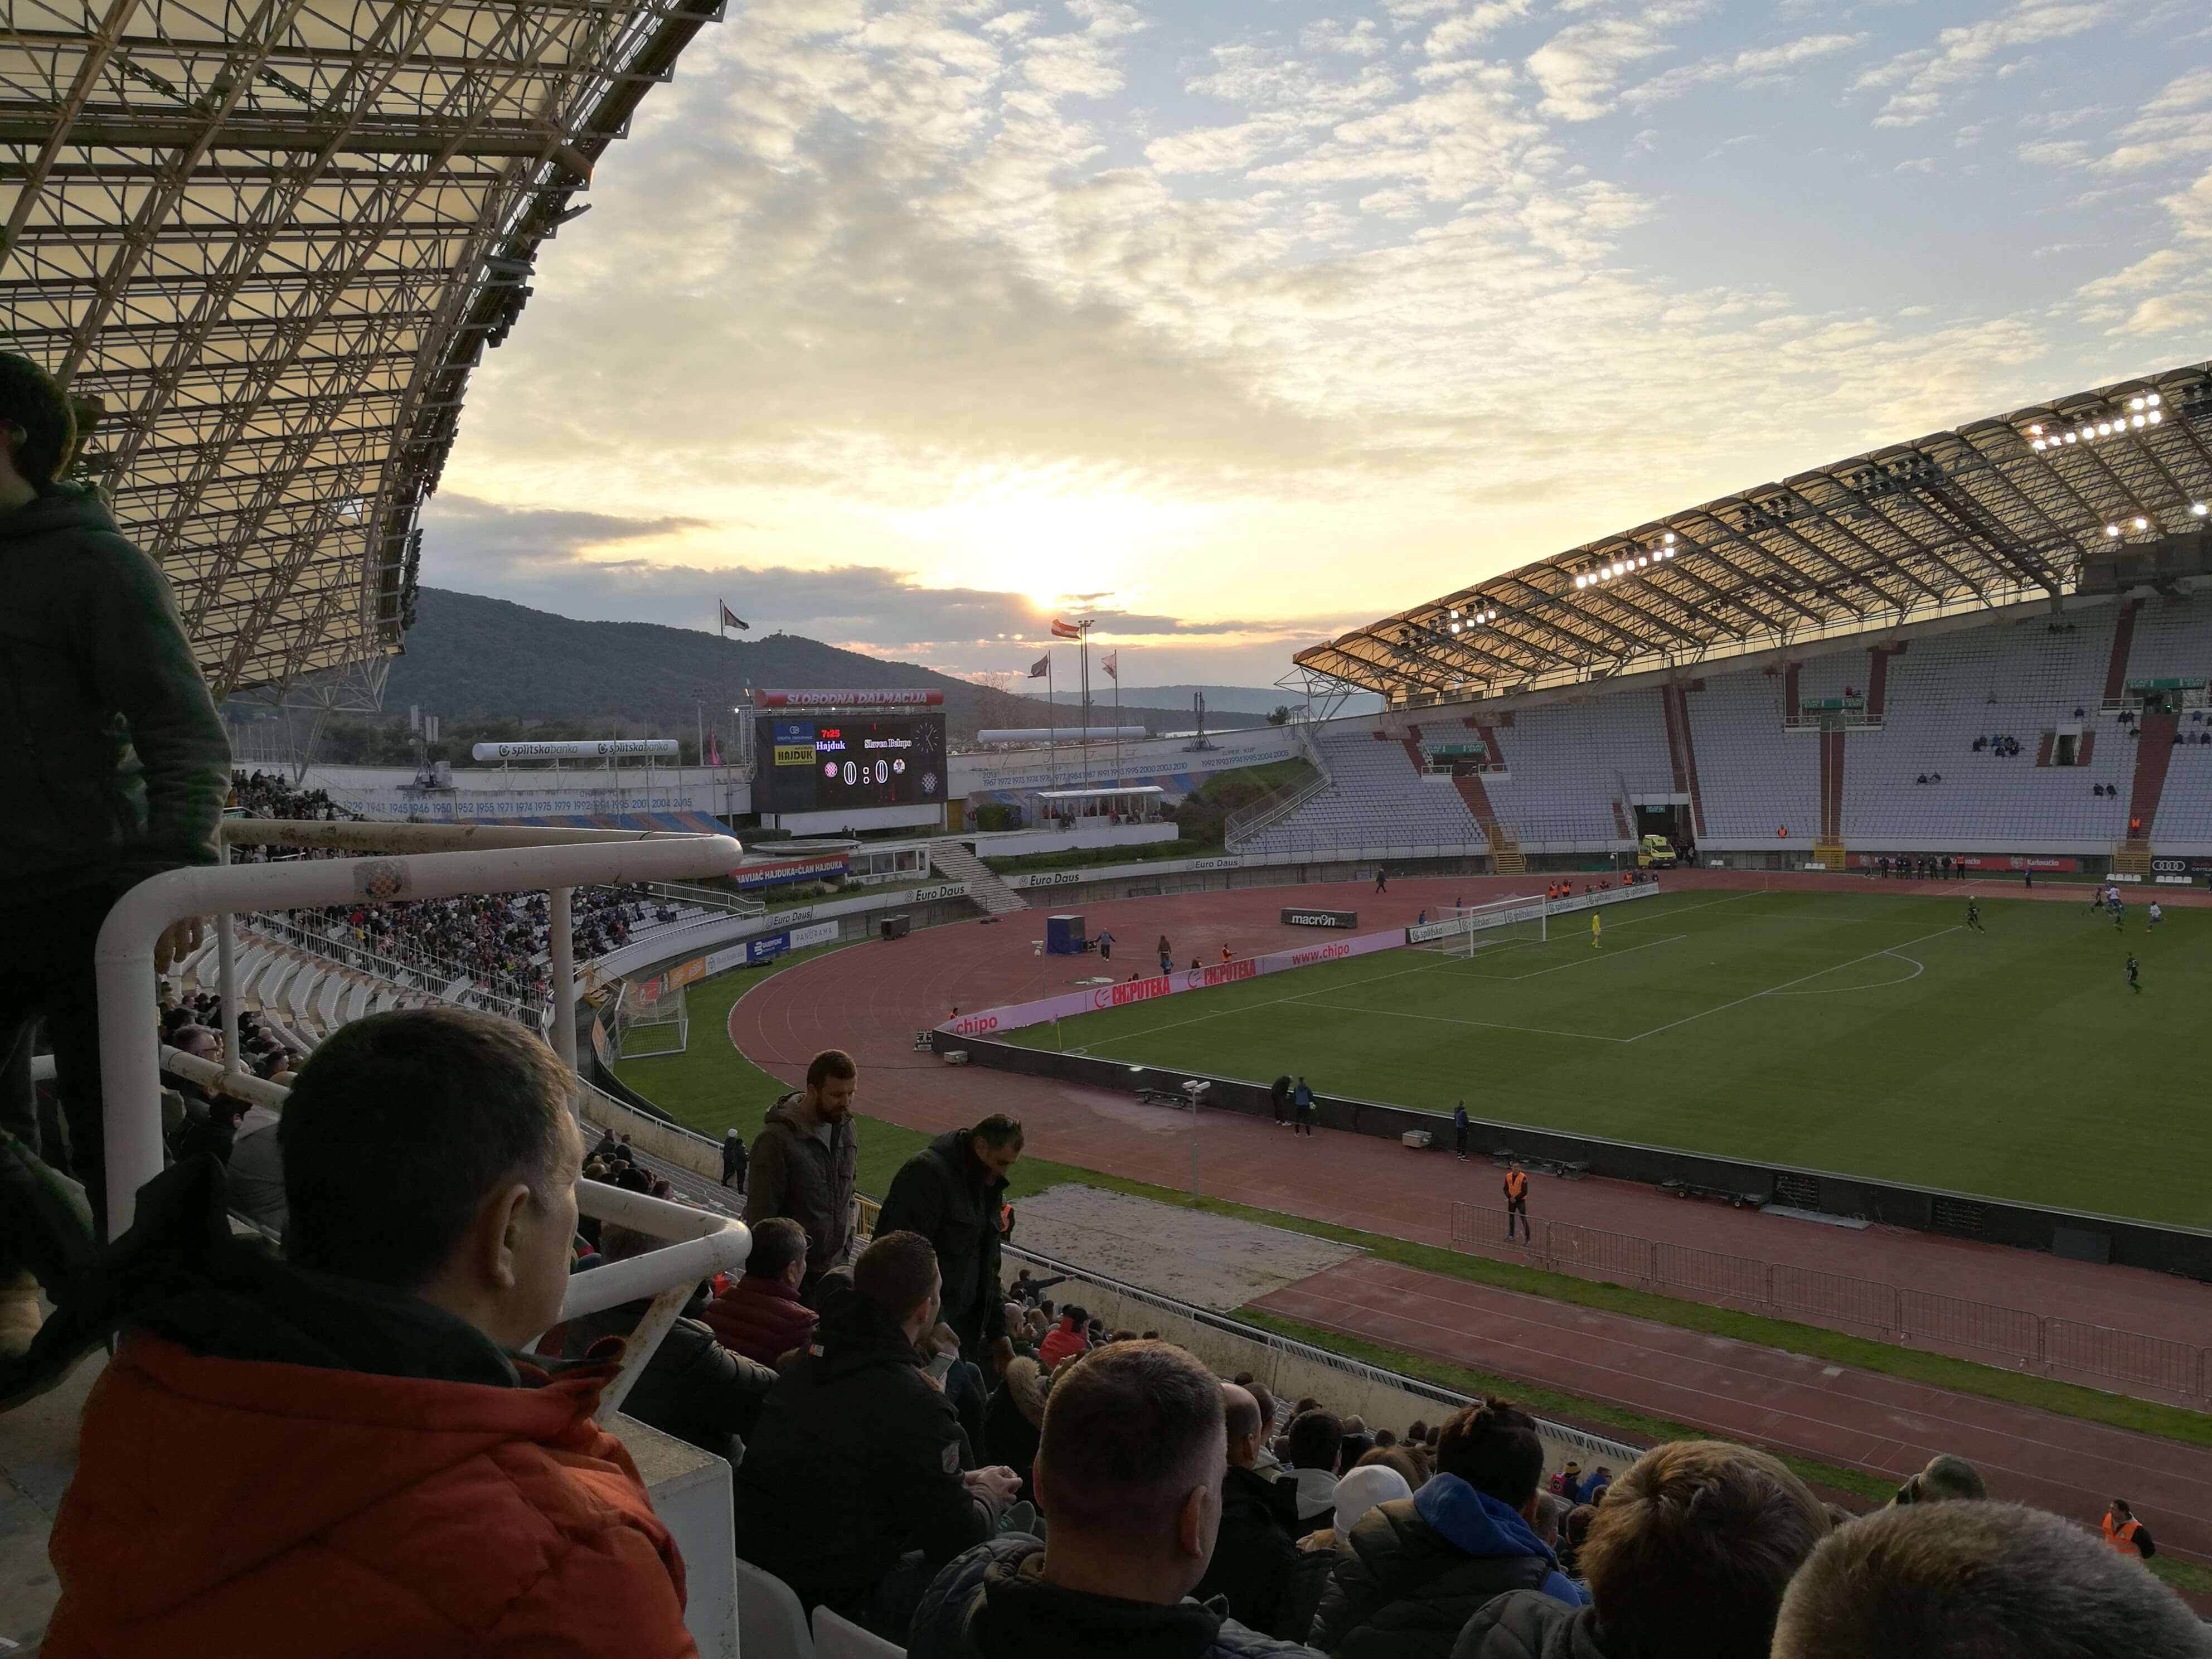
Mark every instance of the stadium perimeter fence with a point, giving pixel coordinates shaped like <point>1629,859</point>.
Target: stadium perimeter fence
<point>1858,1305</point>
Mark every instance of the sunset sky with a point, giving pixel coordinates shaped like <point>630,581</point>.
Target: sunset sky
<point>1236,324</point>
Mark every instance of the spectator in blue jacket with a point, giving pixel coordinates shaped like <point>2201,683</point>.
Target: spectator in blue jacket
<point>1688,1560</point>
<point>1415,1570</point>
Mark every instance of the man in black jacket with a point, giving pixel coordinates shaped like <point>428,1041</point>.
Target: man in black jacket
<point>851,1491</point>
<point>1254,1550</point>
<point>117,769</point>
<point>693,1386</point>
<point>1129,1471</point>
<point>949,1192</point>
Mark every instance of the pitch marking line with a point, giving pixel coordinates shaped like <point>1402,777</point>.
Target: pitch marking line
<point>1918,968</point>
<point>1773,990</point>
<point>1584,961</point>
<point>1454,1019</point>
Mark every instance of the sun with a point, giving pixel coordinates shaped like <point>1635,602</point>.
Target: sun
<point>1044,537</point>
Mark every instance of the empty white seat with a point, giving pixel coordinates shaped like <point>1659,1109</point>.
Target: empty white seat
<point>771,1622</point>
<point>838,1637</point>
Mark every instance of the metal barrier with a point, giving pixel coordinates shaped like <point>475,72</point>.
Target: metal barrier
<point>2125,1355</point>
<point>1730,1278</point>
<point>2026,1338</point>
<point>1832,1296</point>
<point>513,860</point>
<point>2014,1332</point>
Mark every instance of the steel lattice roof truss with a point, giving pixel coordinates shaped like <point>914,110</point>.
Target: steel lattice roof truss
<point>1996,513</point>
<point>274,238</point>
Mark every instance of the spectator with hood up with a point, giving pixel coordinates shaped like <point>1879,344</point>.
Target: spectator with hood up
<point>1415,1570</point>
<point>1687,1558</point>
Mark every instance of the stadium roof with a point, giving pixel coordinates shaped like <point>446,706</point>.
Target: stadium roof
<point>274,238</point>
<point>2014,507</point>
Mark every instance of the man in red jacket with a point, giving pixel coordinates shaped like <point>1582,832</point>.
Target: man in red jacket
<point>340,1453</point>
<point>760,1316</point>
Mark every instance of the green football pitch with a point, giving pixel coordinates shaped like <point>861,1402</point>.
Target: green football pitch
<point>1870,1035</point>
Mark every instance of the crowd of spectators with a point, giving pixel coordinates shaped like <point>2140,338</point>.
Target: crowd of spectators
<point>1054,1487</point>
<point>499,941</point>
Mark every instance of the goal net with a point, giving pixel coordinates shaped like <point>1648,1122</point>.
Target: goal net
<point>651,1018</point>
<point>1461,930</point>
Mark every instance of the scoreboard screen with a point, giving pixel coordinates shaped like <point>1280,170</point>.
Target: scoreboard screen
<point>833,764</point>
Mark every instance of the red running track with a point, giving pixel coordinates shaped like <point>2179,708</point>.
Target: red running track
<point>870,999</point>
<point>1764,1397</point>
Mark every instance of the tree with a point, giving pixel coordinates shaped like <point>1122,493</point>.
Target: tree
<point>1281,716</point>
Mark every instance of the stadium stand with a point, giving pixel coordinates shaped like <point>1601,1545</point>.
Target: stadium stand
<point>1991,738</point>
<point>1376,796</point>
<point>1568,766</point>
<point>1757,780</point>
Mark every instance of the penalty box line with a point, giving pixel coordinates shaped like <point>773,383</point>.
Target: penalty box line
<point>1887,950</point>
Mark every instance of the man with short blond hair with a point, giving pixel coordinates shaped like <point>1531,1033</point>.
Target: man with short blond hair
<point>1687,1558</point>
<point>1128,1471</point>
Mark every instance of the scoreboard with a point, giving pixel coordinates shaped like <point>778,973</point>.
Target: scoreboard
<point>837,762</point>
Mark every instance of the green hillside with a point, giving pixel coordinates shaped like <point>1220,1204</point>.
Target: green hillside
<point>474,659</point>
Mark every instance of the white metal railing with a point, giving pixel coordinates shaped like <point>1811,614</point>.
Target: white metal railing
<point>500,859</point>
<point>712,898</point>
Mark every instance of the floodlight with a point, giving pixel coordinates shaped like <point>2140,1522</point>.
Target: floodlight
<point>2142,524</point>
<point>2134,402</point>
<point>2197,508</point>
<point>2111,530</point>
<point>2152,400</point>
<point>2153,417</point>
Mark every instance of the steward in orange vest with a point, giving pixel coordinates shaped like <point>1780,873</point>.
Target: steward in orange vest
<point>1516,1201</point>
<point>2123,1533</point>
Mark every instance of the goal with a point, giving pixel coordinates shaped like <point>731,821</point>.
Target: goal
<point>651,1018</point>
<point>1462,930</point>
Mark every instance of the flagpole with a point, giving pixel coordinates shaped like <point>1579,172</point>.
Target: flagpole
<point>1117,717</point>
<point>1083,749</point>
<point>1052,708</point>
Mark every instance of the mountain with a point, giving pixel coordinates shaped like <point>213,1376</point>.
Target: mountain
<point>469,657</point>
<point>1223,700</point>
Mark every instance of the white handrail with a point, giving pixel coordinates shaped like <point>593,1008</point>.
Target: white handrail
<point>710,1244</point>
<point>124,956</point>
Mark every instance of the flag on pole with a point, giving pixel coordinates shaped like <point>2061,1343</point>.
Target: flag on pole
<point>1041,666</point>
<point>730,619</point>
<point>713,749</point>
<point>1111,663</point>
<point>1065,631</point>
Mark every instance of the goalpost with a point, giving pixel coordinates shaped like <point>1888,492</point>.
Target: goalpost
<point>1464,929</point>
<point>655,1024</point>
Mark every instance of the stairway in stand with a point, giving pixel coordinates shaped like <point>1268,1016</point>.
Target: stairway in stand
<point>1506,858</point>
<point>2153,755</point>
<point>953,861</point>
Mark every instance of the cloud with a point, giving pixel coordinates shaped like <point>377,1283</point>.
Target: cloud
<point>1757,66</point>
<point>1580,68</point>
<point>909,318</point>
<point>548,560</point>
<point>1923,78</point>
